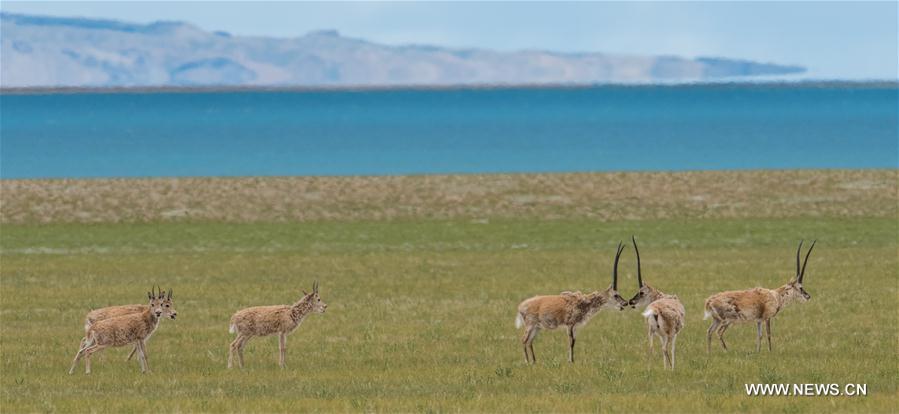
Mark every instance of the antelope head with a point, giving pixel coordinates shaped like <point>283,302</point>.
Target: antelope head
<point>794,290</point>
<point>156,307</point>
<point>168,307</point>
<point>610,296</point>
<point>645,294</point>
<point>318,305</point>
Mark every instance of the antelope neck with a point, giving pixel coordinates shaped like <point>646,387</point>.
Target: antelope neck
<point>300,309</point>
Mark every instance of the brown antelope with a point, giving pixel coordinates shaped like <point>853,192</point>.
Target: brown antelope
<point>113,311</point>
<point>269,320</point>
<point>568,309</point>
<point>759,305</point>
<point>123,330</point>
<point>664,314</point>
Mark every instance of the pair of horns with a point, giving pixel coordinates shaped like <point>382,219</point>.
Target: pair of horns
<point>615,268</point>
<point>618,256</point>
<point>157,293</point>
<point>800,272</point>
<point>314,288</point>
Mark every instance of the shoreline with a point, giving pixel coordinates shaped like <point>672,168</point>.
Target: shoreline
<point>440,174</point>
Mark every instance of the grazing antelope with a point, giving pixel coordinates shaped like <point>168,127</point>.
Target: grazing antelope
<point>269,320</point>
<point>759,305</point>
<point>568,309</point>
<point>133,328</point>
<point>113,311</point>
<point>664,314</point>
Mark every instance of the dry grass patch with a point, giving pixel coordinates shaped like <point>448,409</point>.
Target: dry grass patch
<point>602,196</point>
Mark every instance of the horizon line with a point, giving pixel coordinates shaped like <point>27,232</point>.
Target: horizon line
<point>41,90</point>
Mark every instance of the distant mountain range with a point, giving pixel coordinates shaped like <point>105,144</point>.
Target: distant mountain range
<point>40,51</point>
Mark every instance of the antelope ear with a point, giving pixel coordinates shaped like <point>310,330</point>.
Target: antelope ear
<point>304,293</point>
<point>149,296</point>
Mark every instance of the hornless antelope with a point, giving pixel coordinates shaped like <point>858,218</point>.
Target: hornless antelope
<point>568,309</point>
<point>664,314</point>
<point>759,305</point>
<point>269,320</point>
<point>113,311</point>
<point>123,330</point>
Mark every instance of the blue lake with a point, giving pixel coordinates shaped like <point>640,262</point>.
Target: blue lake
<point>610,128</point>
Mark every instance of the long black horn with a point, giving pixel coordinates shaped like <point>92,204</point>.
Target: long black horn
<point>798,253</point>
<point>159,294</point>
<point>615,268</point>
<point>169,296</point>
<point>637,251</point>
<point>805,262</point>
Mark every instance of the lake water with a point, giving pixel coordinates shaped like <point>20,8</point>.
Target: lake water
<point>651,128</point>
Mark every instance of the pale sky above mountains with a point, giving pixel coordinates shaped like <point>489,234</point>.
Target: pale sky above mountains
<point>834,40</point>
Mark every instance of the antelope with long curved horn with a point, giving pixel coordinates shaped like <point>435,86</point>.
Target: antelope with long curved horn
<point>759,305</point>
<point>664,313</point>
<point>567,309</point>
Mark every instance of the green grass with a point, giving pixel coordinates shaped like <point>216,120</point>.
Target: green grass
<point>421,313</point>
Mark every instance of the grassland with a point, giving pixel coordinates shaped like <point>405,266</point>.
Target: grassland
<point>422,289</point>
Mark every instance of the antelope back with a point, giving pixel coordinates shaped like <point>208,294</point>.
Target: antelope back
<point>113,311</point>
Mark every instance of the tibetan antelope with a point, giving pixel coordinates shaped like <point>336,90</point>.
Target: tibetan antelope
<point>133,328</point>
<point>568,309</point>
<point>759,305</point>
<point>113,311</point>
<point>270,320</point>
<point>664,313</point>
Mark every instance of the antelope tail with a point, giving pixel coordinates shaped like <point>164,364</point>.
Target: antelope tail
<point>708,310</point>
<point>232,329</point>
<point>653,318</point>
<point>519,321</point>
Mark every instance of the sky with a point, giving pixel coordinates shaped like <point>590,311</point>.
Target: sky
<point>834,40</point>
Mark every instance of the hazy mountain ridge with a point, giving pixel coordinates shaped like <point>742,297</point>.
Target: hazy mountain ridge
<point>79,52</point>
